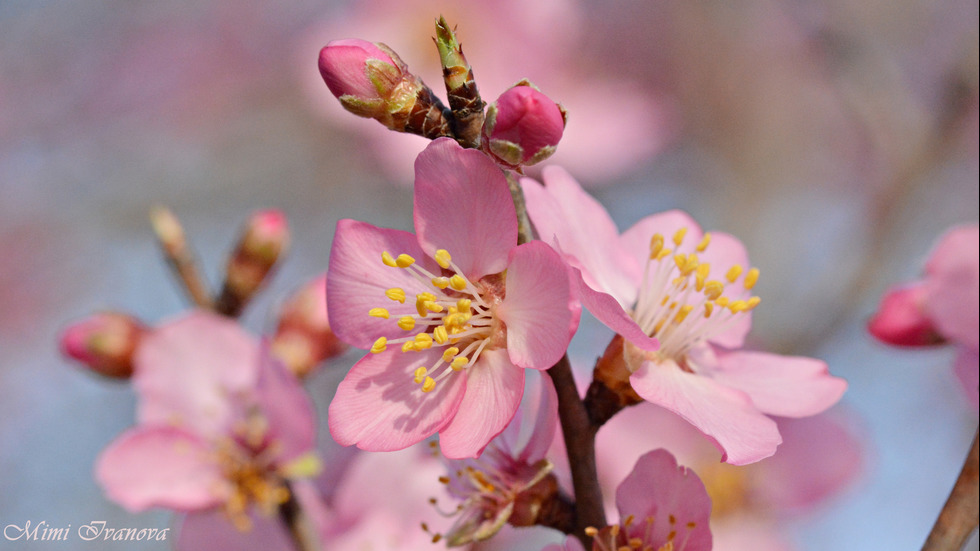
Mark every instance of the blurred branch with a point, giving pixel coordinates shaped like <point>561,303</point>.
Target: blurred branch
<point>300,527</point>
<point>959,516</point>
<point>170,235</point>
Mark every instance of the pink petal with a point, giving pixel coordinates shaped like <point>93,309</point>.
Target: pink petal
<point>187,369</point>
<point>535,309</point>
<point>607,310</point>
<point>723,252</point>
<point>558,209</point>
<point>672,496</point>
<point>287,407</point>
<point>901,318</point>
<point>211,530</point>
<point>161,466</point>
<point>379,407</point>
<point>463,205</point>
<point>494,387</point>
<point>726,416</point>
<point>545,422</point>
<point>357,281</point>
<point>966,370</point>
<point>953,285</point>
<point>833,457</point>
<point>788,386</point>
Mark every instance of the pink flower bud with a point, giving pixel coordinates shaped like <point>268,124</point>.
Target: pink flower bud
<point>303,338</point>
<point>901,320</point>
<point>364,76</point>
<point>264,239</point>
<point>104,342</point>
<point>523,126</point>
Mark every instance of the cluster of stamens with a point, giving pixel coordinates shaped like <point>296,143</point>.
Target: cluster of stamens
<point>680,304</point>
<point>248,463</point>
<point>453,316</point>
<point>617,537</point>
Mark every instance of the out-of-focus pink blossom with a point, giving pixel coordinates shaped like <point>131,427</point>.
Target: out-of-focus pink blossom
<point>104,342</point>
<point>662,506</point>
<point>221,425</point>
<point>511,478</point>
<point>523,126</point>
<point>751,505</point>
<point>682,301</point>
<point>942,307</point>
<point>452,315</point>
<point>303,336</point>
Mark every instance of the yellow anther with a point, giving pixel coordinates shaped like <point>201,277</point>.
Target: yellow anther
<point>463,305</point>
<point>450,352</point>
<point>396,294</point>
<point>708,308</point>
<point>722,302</point>
<point>457,282</point>
<point>388,259</point>
<point>664,301</point>
<point>705,241</point>
<point>420,374</point>
<point>378,313</point>
<point>421,302</point>
<point>713,289</point>
<point>429,384</point>
<point>683,312</point>
<point>737,306</point>
<point>379,345</point>
<point>407,323</point>
<point>440,335</point>
<point>426,296</point>
<point>679,236</point>
<point>459,363</point>
<point>656,245</point>
<point>752,303</point>
<point>733,273</point>
<point>423,341</point>
<point>681,261</point>
<point>443,258</point>
<point>440,282</point>
<point>409,347</point>
<point>664,253</point>
<point>404,261</point>
<point>700,275</point>
<point>444,479</point>
<point>751,277</point>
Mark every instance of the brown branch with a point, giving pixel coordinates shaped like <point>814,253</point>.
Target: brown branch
<point>959,516</point>
<point>579,437</point>
<point>301,529</point>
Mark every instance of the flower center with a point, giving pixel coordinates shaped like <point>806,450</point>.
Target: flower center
<point>681,304</point>
<point>455,314</point>
<point>630,536</point>
<point>247,459</point>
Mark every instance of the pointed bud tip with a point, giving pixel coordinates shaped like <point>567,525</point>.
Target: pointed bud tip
<point>901,320</point>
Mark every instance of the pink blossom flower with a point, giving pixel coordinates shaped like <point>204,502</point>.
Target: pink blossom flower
<point>510,479</point>
<point>221,425</point>
<point>751,505</point>
<point>662,507</point>
<point>942,307</point>
<point>451,360</point>
<point>682,301</point>
<point>523,126</point>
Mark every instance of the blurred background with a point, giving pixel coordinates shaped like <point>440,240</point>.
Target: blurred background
<point>837,138</point>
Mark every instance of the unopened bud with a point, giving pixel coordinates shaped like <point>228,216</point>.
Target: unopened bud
<point>303,338</point>
<point>104,342</point>
<point>265,238</point>
<point>523,126</point>
<point>901,320</point>
<point>370,80</point>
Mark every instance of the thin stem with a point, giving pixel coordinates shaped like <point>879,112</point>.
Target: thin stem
<point>525,231</point>
<point>301,529</point>
<point>170,235</point>
<point>579,437</point>
<point>959,516</point>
